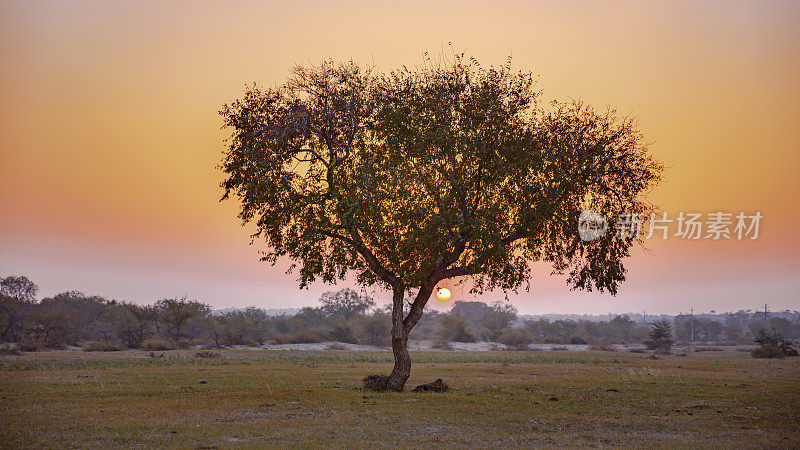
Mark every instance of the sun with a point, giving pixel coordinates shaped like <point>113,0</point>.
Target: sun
<point>443,294</point>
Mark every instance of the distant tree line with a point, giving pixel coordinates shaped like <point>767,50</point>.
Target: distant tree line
<point>72,318</point>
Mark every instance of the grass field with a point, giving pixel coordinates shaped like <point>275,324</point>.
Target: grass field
<point>500,398</point>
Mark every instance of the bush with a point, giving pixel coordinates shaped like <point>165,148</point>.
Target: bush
<point>378,383</point>
<point>577,340</point>
<point>205,354</point>
<point>660,336</point>
<point>300,337</point>
<point>442,345</point>
<point>157,344</point>
<point>767,351</point>
<point>376,329</point>
<point>102,346</point>
<point>342,333</point>
<point>455,328</point>
<point>603,345</point>
<point>516,337</point>
<point>200,342</point>
<point>31,345</point>
<point>773,345</point>
<point>9,349</point>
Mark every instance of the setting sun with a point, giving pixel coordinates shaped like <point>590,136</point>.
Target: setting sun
<point>443,294</point>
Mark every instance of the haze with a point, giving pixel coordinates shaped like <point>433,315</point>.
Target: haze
<point>109,135</point>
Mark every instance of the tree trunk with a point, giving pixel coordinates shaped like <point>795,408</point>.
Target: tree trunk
<point>402,360</point>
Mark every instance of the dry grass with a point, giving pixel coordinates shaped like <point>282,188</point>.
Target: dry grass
<point>498,399</point>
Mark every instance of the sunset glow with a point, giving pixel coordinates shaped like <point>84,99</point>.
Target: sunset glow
<point>110,135</point>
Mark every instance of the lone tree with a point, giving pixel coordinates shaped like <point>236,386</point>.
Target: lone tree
<point>419,176</point>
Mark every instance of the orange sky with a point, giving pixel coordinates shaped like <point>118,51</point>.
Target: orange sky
<point>109,133</point>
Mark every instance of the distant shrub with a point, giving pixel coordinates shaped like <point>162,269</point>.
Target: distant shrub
<point>184,345</point>
<point>708,349</point>
<point>441,345</point>
<point>660,336</point>
<point>455,328</point>
<point>767,351</point>
<point>342,333</point>
<point>558,348</point>
<point>157,344</point>
<point>603,345</point>
<point>300,337</point>
<point>637,350</point>
<point>773,345</point>
<point>200,342</point>
<point>9,349</point>
<point>207,354</point>
<point>102,346</point>
<point>577,340</point>
<point>31,345</point>
<point>375,329</point>
<point>516,337</point>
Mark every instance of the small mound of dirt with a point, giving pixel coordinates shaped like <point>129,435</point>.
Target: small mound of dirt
<point>436,386</point>
<point>378,383</point>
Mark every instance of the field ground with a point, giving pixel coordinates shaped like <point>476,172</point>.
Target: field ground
<point>313,398</point>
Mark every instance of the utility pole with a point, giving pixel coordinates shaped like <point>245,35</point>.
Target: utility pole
<point>644,316</point>
<point>765,316</point>
<point>691,322</point>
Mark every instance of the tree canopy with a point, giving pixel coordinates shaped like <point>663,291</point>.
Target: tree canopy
<point>417,176</point>
<point>19,287</point>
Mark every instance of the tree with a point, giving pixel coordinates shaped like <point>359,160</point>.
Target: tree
<point>660,336</point>
<point>710,330</point>
<point>488,321</point>
<point>622,328</point>
<point>13,316</point>
<point>781,325</point>
<point>80,313</point>
<point>516,337</point>
<point>19,287</point>
<point>375,329</point>
<point>132,323</point>
<point>346,303</point>
<point>734,329</point>
<point>412,178</point>
<point>176,313</point>
<point>501,315</point>
<point>218,327</point>
<point>683,327</point>
<point>455,328</point>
